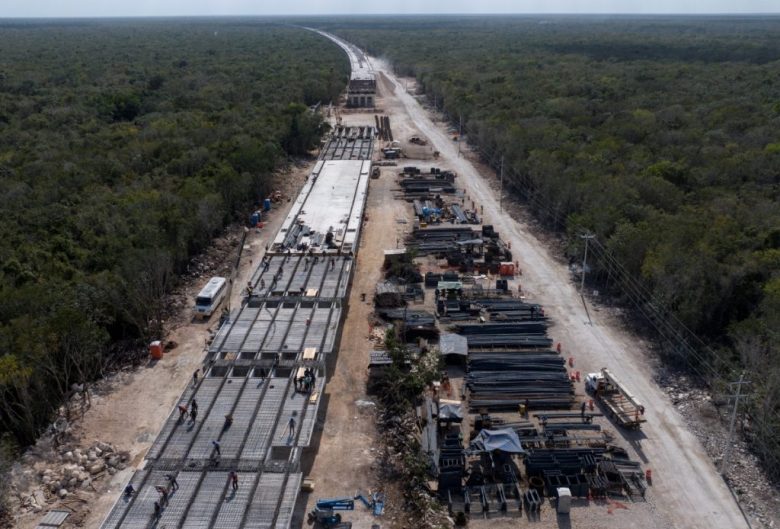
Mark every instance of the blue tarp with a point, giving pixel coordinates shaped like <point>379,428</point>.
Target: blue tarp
<point>504,439</point>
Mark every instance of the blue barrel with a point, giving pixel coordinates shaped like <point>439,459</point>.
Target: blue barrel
<point>267,204</point>
<point>254,219</point>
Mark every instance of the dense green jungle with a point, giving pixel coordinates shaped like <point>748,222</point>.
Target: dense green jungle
<point>126,146</point>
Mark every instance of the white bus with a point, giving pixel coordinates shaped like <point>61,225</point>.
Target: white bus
<point>211,296</point>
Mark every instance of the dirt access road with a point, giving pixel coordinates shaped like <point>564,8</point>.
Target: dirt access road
<point>347,449</point>
<point>687,490</point>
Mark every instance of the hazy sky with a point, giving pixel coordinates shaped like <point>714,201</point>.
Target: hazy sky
<point>99,8</point>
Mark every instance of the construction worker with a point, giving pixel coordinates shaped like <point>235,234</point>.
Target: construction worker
<point>291,427</point>
<point>172,481</point>
<point>163,495</point>
<point>233,480</point>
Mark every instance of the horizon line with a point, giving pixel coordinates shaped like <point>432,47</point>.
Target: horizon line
<point>357,15</point>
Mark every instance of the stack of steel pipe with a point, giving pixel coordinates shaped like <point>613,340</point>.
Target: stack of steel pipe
<point>568,460</point>
<point>509,340</point>
<point>440,240</point>
<point>494,361</point>
<point>506,390</point>
<point>458,214</point>
<point>426,185</point>
<point>526,328</point>
<point>453,233</point>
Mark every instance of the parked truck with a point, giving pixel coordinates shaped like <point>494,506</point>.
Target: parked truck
<point>621,405</point>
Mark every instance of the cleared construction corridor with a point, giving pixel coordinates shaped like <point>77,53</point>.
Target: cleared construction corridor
<point>289,322</point>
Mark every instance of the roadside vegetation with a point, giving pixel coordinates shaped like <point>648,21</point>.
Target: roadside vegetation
<point>661,136</point>
<point>126,147</point>
<point>399,391</point>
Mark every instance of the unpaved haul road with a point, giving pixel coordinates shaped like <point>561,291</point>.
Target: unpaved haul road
<point>687,489</point>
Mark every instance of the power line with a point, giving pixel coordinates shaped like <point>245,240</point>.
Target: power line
<point>663,320</point>
<point>724,464</point>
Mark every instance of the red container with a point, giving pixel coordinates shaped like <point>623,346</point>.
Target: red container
<point>156,349</point>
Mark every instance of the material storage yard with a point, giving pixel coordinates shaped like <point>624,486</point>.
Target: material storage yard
<point>284,420</point>
<point>686,490</point>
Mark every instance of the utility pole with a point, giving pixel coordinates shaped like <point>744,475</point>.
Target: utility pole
<point>460,132</point>
<point>501,192</point>
<point>725,461</point>
<point>587,237</point>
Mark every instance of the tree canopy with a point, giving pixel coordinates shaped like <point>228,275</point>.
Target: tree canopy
<point>126,147</point>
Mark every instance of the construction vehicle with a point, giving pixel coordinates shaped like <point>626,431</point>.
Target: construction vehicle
<point>621,405</point>
<point>375,502</point>
<point>324,512</point>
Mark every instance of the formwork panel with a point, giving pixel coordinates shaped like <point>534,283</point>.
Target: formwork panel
<point>290,496</point>
<point>343,283</point>
<point>183,435</point>
<point>256,335</point>
<point>279,327</point>
<point>299,279</point>
<point>237,333</point>
<point>310,416</point>
<point>207,501</point>
<point>318,327</point>
<point>223,331</point>
<point>215,421</point>
<point>232,509</point>
<point>281,275</point>
<point>332,331</point>
<point>297,331</point>
<point>261,329</point>
<point>257,440</point>
<point>294,403</point>
<point>122,504</point>
<point>141,512</point>
<point>262,509</point>
<point>332,280</point>
<point>179,501</point>
<point>318,272</point>
<point>171,423</point>
<point>243,417</point>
